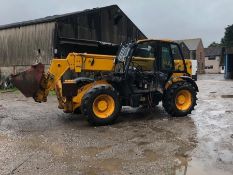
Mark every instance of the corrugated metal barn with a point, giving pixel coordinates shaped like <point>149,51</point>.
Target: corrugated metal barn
<point>24,43</point>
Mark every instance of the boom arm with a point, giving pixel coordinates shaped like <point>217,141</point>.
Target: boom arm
<point>76,63</point>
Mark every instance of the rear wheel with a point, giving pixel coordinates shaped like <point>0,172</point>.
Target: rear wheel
<point>101,105</point>
<point>179,99</point>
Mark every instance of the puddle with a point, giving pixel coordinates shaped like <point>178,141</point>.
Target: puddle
<point>93,151</point>
<point>195,167</point>
<point>38,143</point>
<point>143,143</point>
<point>217,112</point>
<point>209,100</point>
<point>227,96</point>
<point>225,156</point>
<point>181,165</point>
<point>107,165</point>
<point>3,137</point>
<point>20,100</point>
<point>2,107</point>
<point>150,155</point>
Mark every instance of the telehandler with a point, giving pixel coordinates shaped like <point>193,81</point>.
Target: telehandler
<point>142,74</point>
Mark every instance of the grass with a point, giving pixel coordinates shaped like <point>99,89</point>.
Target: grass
<point>52,93</point>
<point>8,90</point>
<point>14,89</point>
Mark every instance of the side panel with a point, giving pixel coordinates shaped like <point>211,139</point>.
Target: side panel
<point>180,66</point>
<point>92,62</point>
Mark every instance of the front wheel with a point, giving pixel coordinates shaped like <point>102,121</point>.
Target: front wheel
<point>179,99</point>
<point>101,105</point>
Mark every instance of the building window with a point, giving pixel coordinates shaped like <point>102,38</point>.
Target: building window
<point>211,58</point>
<point>209,67</point>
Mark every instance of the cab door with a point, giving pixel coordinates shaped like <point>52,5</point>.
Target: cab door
<point>165,64</point>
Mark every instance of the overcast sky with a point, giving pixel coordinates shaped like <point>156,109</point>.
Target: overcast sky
<point>173,19</point>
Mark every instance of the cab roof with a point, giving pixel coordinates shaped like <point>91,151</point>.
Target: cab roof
<point>163,40</point>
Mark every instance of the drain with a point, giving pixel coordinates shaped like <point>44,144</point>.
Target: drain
<point>227,96</point>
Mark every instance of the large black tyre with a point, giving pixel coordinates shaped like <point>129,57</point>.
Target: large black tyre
<point>172,94</point>
<point>92,99</point>
<point>77,111</point>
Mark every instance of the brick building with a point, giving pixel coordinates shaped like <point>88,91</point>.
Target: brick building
<point>196,52</point>
<point>214,60</point>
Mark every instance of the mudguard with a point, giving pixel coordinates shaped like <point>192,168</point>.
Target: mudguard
<point>190,80</point>
<point>82,81</point>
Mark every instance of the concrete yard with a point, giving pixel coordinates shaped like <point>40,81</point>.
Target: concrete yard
<point>41,139</point>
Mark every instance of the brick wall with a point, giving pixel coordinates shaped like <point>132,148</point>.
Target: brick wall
<point>200,56</point>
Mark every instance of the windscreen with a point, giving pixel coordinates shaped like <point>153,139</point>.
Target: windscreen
<point>122,58</point>
<point>123,52</point>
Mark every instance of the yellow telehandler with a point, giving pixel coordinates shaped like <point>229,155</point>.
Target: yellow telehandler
<point>143,73</point>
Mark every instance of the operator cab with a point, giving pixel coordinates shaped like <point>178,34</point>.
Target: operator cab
<point>147,65</point>
<point>150,55</point>
<point>160,53</point>
<point>149,58</point>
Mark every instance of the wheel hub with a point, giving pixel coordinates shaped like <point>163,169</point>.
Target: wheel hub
<point>181,99</point>
<point>102,105</point>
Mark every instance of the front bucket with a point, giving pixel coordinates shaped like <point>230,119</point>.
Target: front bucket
<point>28,81</point>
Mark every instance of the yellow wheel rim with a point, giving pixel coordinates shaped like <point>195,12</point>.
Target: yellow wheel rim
<point>103,106</point>
<point>183,100</point>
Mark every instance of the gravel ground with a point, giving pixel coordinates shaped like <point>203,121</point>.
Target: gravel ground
<point>41,139</point>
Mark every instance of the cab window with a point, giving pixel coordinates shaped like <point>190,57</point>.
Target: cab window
<point>145,51</point>
<point>176,52</point>
<point>166,58</point>
<point>144,56</point>
<point>179,64</point>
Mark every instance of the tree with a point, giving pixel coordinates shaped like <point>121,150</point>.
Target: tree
<point>214,44</point>
<point>227,40</point>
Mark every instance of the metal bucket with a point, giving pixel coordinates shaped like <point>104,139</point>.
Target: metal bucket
<point>28,81</point>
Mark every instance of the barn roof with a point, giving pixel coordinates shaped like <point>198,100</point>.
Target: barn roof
<point>57,17</point>
<point>52,18</point>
